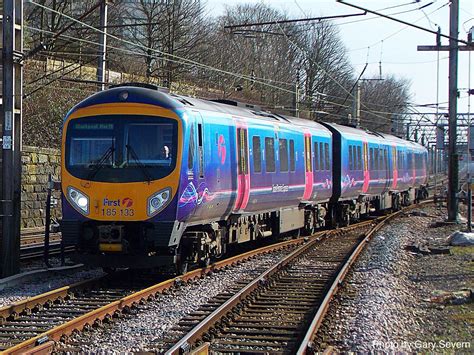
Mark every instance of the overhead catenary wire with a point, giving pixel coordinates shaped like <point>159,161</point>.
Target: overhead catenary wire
<point>175,61</point>
<point>186,61</point>
<point>134,53</point>
<point>180,60</point>
<point>167,56</point>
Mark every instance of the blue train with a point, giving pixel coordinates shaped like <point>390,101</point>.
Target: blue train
<point>153,179</point>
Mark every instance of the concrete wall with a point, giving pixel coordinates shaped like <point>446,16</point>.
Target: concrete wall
<point>37,163</point>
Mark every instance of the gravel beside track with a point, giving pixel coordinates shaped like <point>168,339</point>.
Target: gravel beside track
<point>142,328</point>
<point>384,303</point>
<point>43,283</point>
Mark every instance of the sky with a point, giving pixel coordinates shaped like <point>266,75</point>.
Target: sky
<point>373,39</point>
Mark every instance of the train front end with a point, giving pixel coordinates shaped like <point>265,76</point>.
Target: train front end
<point>121,160</point>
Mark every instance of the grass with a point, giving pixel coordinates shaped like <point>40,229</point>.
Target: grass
<point>462,250</point>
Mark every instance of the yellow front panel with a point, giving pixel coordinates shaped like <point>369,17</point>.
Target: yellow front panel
<point>121,201</point>
<point>110,247</point>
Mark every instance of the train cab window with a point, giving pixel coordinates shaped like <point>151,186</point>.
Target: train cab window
<point>292,155</point>
<point>321,156</point>
<point>316,156</point>
<point>191,148</point>
<point>326,155</point>
<point>283,153</point>
<point>359,158</point>
<point>351,164</point>
<point>121,149</point>
<point>269,155</point>
<point>257,154</point>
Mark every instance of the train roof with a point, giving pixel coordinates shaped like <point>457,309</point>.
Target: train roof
<point>147,95</point>
<point>374,136</point>
<point>150,94</point>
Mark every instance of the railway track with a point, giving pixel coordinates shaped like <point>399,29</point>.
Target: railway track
<point>37,323</point>
<point>271,313</point>
<point>32,244</point>
<point>280,311</point>
<point>244,314</point>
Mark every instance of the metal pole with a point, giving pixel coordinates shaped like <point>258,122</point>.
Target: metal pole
<point>437,113</point>
<point>47,223</point>
<point>11,138</point>
<point>469,146</point>
<point>357,117</point>
<point>453,174</point>
<point>102,45</point>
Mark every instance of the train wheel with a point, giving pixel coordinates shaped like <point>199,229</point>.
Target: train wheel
<point>205,262</point>
<point>182,267</point>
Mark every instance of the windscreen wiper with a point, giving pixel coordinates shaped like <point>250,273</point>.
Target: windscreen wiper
<point>101,162</point>
<point>135,157</point>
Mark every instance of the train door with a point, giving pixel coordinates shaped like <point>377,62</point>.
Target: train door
<point>387,167</point>
<point>308,177</point>
<point>365,186</point>
<point>200,148</point>
<point>243,171</point>
<point>394,167</point>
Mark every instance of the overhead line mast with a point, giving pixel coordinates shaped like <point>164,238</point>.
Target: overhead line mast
<point>12,80</point>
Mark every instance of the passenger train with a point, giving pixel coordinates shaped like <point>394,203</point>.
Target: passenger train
<point>152,179</point>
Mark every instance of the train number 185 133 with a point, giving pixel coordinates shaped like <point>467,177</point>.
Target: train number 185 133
<point>123,212</point>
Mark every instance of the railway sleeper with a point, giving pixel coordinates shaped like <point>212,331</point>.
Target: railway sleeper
<point>264,331</point>
<point>271,337</point>
<point>271,346</point>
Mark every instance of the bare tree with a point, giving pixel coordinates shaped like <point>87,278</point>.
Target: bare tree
<point>176,28</point>
<point>326,72</point>
<point>261,54</point>
<point>384,102</point>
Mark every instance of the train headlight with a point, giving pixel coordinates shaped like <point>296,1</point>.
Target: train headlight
<point>158,201</point>
<point>78,199</point>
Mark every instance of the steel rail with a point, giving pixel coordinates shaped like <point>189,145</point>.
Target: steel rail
<point>46,339</point>
<point>307,343</point>
<point>209,322</point>
<point>30,303</point>
<point>197,333</point>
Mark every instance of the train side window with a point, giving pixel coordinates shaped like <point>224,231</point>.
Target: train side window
<point>321,156</point>
<point>382,158</point>
<point>372,159</point>
<point>326,155</point>
<point>316,156</point>
<point>359,158</point>
<point>385,156</point>
<point>269,155</point>
<point>257,154</point>
<point>200,151</point>
<point>292,155</point>
<point>351,165</point>
<point>376,158</point>
<point>191,148</point>
<point>283,152</point>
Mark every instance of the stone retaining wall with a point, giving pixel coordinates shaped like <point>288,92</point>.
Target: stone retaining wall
<point>37,164</point>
